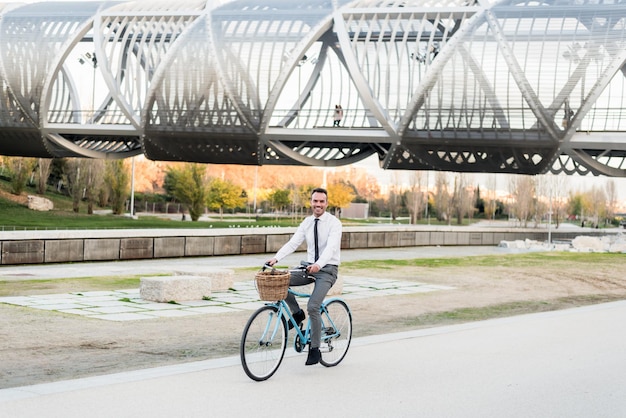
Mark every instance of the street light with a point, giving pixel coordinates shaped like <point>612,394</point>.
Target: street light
<point>85,58</point>
<point>302,61</point>
<point>132,188</point>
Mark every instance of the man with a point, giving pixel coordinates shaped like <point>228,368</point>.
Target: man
<point>323,252</point>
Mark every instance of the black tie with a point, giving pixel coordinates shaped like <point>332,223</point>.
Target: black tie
<point>317,249</point>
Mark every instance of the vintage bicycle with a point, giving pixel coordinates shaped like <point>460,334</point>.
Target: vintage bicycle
<point>265,336</point>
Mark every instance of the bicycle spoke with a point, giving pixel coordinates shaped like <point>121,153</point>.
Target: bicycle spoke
<point>263,343</point>
<point>336,332</point>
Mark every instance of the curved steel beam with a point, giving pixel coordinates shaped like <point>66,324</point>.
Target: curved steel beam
<point>442,85</point>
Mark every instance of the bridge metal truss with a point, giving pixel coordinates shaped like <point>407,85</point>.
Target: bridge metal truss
<point>510,86</point>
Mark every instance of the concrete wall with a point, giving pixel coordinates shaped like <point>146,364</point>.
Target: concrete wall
<point>40,247</point>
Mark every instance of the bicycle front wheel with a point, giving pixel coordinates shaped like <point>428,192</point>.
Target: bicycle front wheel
<point>336,332</point>
<point>263,343</point>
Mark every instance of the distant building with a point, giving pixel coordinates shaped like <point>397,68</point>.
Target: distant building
<point>356,211</point>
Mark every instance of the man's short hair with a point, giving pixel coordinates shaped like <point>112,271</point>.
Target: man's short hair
<point>319,190</point>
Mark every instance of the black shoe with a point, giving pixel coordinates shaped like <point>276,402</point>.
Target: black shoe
<point>314,357</point>
<point>299,317</point>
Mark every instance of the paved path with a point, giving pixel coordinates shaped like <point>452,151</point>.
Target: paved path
<point>560,364</point>
<point>192,264</point>
<point>127,305</point>
<point>568,363</point>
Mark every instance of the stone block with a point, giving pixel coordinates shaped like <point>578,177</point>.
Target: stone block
<point>406,239</point>
<point>39,203</point>
<point>450,238</point>
<point>199,246</point>
<point>493,238</point>
<point>221,279</point>
<point>463,238</point>
<point>422,238</point>
<point>23,252</point>
<point>437,238</point>
<point>376,240</point>
<point>476,238</point>
<point>174,288</point>
<point>61,251</point>
<point>618,247</point>
<point>227,245</point>
<point>591,244</point>
<point>136,248</point>
<point>274,242</point>
<point>252,244</point>
<point>358,240</point>
<point>169,247</point>
<point>391,239</point>
<point>101,249</point>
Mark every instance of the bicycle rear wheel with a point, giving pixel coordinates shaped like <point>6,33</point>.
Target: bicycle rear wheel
<point>263,343</point>
<point>336,332</point>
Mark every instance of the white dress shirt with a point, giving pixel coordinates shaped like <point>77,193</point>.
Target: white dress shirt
<point>329,240</point>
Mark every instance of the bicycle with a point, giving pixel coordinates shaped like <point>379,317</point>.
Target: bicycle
<point>264,338</point>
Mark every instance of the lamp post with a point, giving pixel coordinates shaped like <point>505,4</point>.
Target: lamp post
<point>426,205</point>
<point>256,179</point>
<point>302,61</point>
<point>132,188</point>
<point>90,57</point>
<point>550,215</point>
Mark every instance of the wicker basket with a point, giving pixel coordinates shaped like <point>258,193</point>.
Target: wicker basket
<point>272,285</point>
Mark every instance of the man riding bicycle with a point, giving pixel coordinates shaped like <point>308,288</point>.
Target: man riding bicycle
<point>322,233</point>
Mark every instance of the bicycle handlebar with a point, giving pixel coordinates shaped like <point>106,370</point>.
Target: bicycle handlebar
<point>299,267</point>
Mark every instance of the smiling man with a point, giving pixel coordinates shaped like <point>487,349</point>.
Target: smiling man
<point>322,233</point>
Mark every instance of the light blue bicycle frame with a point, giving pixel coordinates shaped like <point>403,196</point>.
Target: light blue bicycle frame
<point>283,311</point>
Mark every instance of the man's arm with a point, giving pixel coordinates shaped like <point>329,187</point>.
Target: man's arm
<point>289,247</point>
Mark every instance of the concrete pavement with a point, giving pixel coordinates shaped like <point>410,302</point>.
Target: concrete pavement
<point>197,264</point>
<point>558,364</point>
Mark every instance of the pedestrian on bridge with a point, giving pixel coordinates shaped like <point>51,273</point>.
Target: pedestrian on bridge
<point>338,115</point>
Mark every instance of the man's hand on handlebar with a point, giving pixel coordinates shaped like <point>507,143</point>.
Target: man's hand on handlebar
<point>271,262</point>
<point>313,268</point>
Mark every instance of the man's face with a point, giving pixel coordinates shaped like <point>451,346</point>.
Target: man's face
<point>319,203</point>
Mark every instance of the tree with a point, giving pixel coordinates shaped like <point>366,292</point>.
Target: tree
<point>118,181</point>
<point>84,179</point>
<point>542,198</point>
<point>340,195</point>
<point>557,198</point>
<point>491,202</point>
<point>94,180</point>
<point>224,194</point>
<point>578,205</point>
<point>279,199</point>
<point>394,202</point>
<point>442,198</point>
<point>598,200</point>
<point>20,170</point>
<point>611,200</point>
<point>189,186</point>
<point>302,197</point>
<point>416,199</point>
<point>523,191</point>
<point>462,199</point>
<point>74,178</point>
<point>44,166</point>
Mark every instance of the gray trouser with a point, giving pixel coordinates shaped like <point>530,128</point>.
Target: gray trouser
<point>324,280</point>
